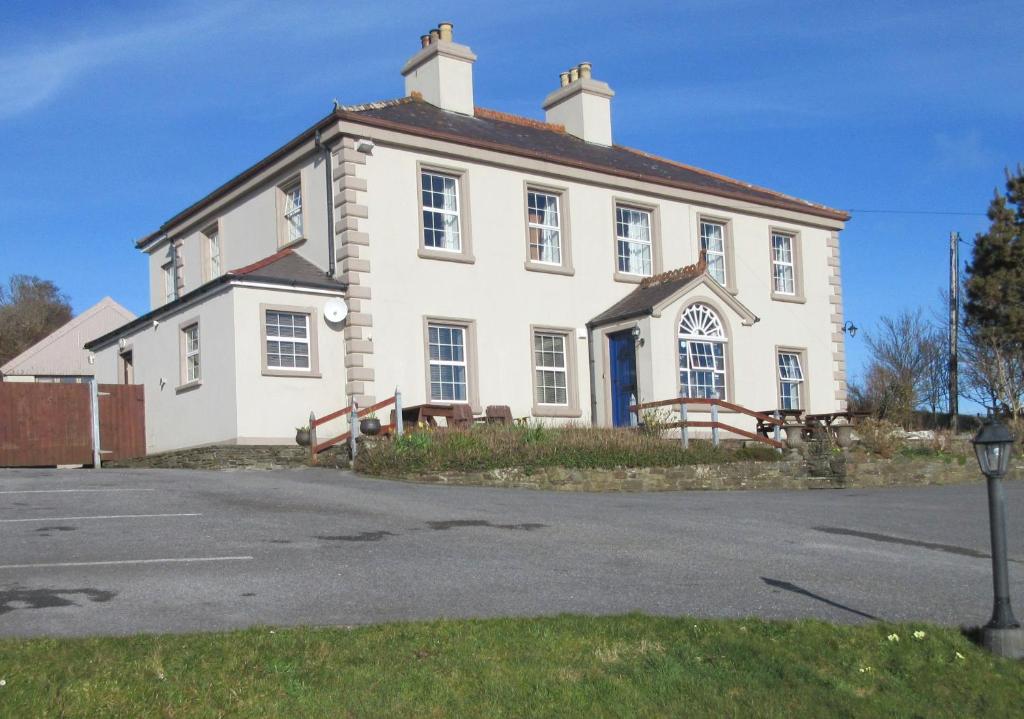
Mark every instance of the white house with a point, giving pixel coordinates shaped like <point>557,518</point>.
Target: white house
<point>60,356</point>
<point>484,258</point>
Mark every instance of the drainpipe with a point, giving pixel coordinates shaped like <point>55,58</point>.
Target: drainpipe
<point>331,266</point>
<point>593,375</point>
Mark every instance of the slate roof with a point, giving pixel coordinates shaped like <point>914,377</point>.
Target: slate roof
<point>516,135</point>
<point>284,267</point>
<point>651,292</point>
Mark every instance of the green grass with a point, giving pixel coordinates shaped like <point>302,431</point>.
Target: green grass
<point>534,446</point>
<point>628,666</point>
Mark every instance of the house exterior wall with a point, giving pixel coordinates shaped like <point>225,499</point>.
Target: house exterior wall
<point>270,408</point>
<point>182,417</point>
<point>504,299</point>
<point>249,229</point>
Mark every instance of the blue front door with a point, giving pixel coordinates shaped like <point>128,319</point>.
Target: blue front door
<point>622,356</point>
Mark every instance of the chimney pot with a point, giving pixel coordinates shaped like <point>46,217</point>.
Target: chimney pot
<point>585,70</point>
<point>563,78</point>
<point>445,29</point>
<point>424,40</point>
<point>574,74</point>
<point>434,36</point>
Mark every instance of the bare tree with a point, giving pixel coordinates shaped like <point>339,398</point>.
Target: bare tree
<point>992,372</point>
<point>30,309</point>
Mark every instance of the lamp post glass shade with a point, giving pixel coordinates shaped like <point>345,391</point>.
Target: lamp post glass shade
<point>993,445</point>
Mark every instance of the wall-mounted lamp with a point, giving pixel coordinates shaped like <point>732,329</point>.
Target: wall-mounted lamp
<point>636,336</point>
<point>364,145</point>
<point>850,328</point>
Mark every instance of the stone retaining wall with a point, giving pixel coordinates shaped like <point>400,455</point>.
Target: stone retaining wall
<point>232,456</point>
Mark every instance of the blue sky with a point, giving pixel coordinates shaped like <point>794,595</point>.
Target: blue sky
<point>115,115</point>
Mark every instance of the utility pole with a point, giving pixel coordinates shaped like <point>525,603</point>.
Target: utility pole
<point>954,327</point>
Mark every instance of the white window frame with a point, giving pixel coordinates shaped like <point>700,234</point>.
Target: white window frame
<point>193,365</point>
<point>716,257</point>
<point>293,340</point>
<point>779,264</point>
<point>293,230</point>
<point>170,281</point>
<point>707,332</point>
<point>540,369</point>
<point>463,333</point>
<point>798,383</point>
<point>450,218</point>
<point>213,251</point>
<point>540,228</point>
<point>624,242</point>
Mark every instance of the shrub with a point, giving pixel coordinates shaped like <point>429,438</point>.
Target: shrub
<point>880,437</point>
<point>534,446</point>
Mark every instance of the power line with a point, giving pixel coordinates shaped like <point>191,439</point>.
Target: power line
<point>922,212</point>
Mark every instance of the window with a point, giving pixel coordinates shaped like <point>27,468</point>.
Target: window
<point>544,226</point>
<point>791,380</point>
<point>287,343</point>
<point>170,282</point>
<point>783,268</point>
<point>190,352</point>
<point>712,241</point>
<point>213,250</point>
<point>701,353</point>
<point>449,380</point>
<point>633,239</point>
<point>551,369</point>
<point>440,198</point>
<point>292,212</point>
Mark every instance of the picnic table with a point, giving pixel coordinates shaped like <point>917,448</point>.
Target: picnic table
<point>788,416</point>
<point>425,413</point>
<point>828,418</point>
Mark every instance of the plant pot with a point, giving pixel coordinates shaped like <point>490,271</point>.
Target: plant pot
<point>844,435</point>
<point>302,437</point>
<point>369,426</point>
<point>794,435</point>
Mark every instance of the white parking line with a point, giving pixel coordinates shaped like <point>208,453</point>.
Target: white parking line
<point>105,516</point>
<point>126,561</point>
<point>50,491</point>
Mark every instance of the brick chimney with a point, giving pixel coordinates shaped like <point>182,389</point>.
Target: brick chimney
<point>442,71</point>
<point>582,104</point>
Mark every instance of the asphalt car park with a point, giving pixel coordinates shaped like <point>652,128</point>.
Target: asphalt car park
<point>112,552</point>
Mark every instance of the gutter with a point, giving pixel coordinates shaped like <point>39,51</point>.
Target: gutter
<point>329,179</point>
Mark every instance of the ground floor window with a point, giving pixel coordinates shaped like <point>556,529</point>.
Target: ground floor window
<point>702,344</point>
<point>791,380</point>
<point>449,381</point>
<point>287,345</point>
<point>551,370</point>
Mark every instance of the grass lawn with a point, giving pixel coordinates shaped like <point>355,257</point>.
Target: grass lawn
<point>625,666</point>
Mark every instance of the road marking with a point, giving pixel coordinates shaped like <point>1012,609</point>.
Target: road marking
<point>125,561</point>
<point>104,516</point>
<point>51,491</point>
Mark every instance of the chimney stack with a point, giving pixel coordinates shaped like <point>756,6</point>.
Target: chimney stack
<point>442,71</point>
<point>582,104</point>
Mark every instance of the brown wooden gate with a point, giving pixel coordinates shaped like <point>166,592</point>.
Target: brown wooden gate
<point>49,424</point>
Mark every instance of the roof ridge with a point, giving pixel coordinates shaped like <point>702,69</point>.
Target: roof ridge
<point>688,272</point>
<point>260,264</point>
<point>719,176</point>
<point>517,119</point>
<point>377,104</point>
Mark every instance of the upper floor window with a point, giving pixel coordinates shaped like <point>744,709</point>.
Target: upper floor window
<point>545,227</point>
<point>291,212</point>
<point>791,380</point>
<point>633,240</point>
<point>170,282</point>
<point>783,264</point>
<point>213,251</point>
<point>712,242</point>
<point>701,353</point>
<point>441,221</point>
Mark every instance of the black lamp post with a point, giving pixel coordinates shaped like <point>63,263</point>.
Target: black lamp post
<point>993,445</point>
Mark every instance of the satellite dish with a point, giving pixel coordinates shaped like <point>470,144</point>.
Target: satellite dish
<point>335,310</point>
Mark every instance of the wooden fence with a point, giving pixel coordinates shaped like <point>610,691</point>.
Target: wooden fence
<point>354,414</point>
<point>43,424</point>
<point>715,425</point>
